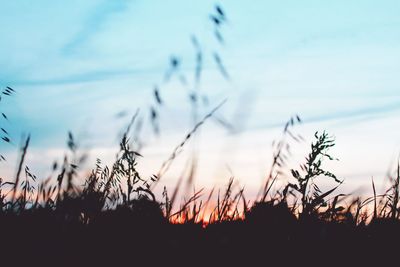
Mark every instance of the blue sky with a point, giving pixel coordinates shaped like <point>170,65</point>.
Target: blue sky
<point>76,64</point>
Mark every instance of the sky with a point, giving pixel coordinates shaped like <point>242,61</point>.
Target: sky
<point>77,64</point>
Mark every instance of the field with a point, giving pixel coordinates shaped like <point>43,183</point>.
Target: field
<point>115,217</point>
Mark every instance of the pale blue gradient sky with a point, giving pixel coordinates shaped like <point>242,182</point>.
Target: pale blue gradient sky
<point>76,64</point>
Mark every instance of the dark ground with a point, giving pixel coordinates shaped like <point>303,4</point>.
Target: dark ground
<point>141,236</point>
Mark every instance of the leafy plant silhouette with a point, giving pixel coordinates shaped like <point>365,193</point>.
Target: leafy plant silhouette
<point>311,196</point>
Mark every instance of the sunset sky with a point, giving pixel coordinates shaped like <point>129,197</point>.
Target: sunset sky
<point>77,64</point>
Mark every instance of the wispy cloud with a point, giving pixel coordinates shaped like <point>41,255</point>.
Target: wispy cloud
<point>90,76</point>
<point>363,114</point>
<point>356,115</point>
<point>94,23</point>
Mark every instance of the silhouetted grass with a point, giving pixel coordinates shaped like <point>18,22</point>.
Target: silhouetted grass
<point>115,217</point>
<point>115,213</point>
